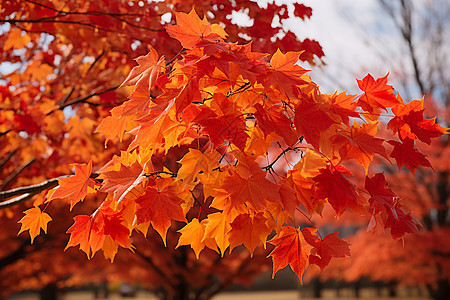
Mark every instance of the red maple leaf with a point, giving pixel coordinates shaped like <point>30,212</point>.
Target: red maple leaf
<point>410,124</point>
<point>310,121</point>
<point>274,119</point>
<point>406,154</point>
<point>226,128</point>
<point>384,202</point>
<point>341,193</point>
<point>377,93</point>
<point>290,249</point>
<point>159,205</point>
<point>325,249</point>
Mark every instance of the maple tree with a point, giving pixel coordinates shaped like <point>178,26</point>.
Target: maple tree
<point>62,65</point>
<point>230,143</point>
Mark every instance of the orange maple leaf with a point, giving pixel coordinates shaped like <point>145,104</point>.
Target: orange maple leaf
<point>114,125</point>
<point>377,93</point>
<point>217,228</point>
<point>122,181</point>
<point>192,234</point>
<point>74,188</point>
<point>195,161</point>
<point>147,72</point>
<point>253,189</point>
<point>361,145</point>
<point>290,249</point>
<point>285,72</point>
<point>86,233</point>
<point>190,29</point>
<point>249,230</point>
<point>34,220</point>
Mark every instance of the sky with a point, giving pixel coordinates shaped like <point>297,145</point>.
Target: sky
<point>359,37</point>
<point>350,33</point>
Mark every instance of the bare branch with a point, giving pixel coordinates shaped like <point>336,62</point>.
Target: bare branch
<point>32,189</point>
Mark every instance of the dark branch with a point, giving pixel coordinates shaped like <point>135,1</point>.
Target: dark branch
<point>7,158</point>
<point>30,189</point>
<point>16,172</point>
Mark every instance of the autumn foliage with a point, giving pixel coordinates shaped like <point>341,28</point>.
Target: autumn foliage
<point>211,130</point>
<point>218,141</point>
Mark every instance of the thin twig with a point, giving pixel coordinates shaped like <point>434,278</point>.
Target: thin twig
<point>7,158</point>
<point>16,172</point>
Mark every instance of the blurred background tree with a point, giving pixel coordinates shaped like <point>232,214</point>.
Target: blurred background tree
<point>419,59</point>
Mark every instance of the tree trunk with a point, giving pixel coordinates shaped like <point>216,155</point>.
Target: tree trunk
<point>49,292</point>
<point>441,291</point>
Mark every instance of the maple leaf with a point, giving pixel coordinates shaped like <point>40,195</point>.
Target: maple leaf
<point>34,220</point>
<point>310,121</point>
<point>190,29</point>
<point>249,230</point>
<point>195,161</point>
<point>150,133</point>
<point>253,189</point>
<point>86,233</point>
<point>341,193</point>
<point>302,11</point>
<point>291,249</point>
<point>159,205</point>
<point>122,181</point>
<point>406,154</point>
<point>147,72</point>
<point>363,145</point>
<point>226,128</point>
<point>113,225</point>
<point>331,246</point>
<point>381,197</point>
<point>301,178</point>
<point>16,40</point>
<point>285,72</point>
<point>343,105</point>
<point>217,228</point>
<point>74,188</point>
<point>275,120</point>
<point>114,125</point>
<point>401,223</point>
<point>192,234</point>
<point>410,124</point>
<point>385,202</point>
<point>377,93</point>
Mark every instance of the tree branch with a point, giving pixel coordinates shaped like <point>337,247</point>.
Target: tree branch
<point>16,172</point>
<point>7,158</point>
<point>26,192</point>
